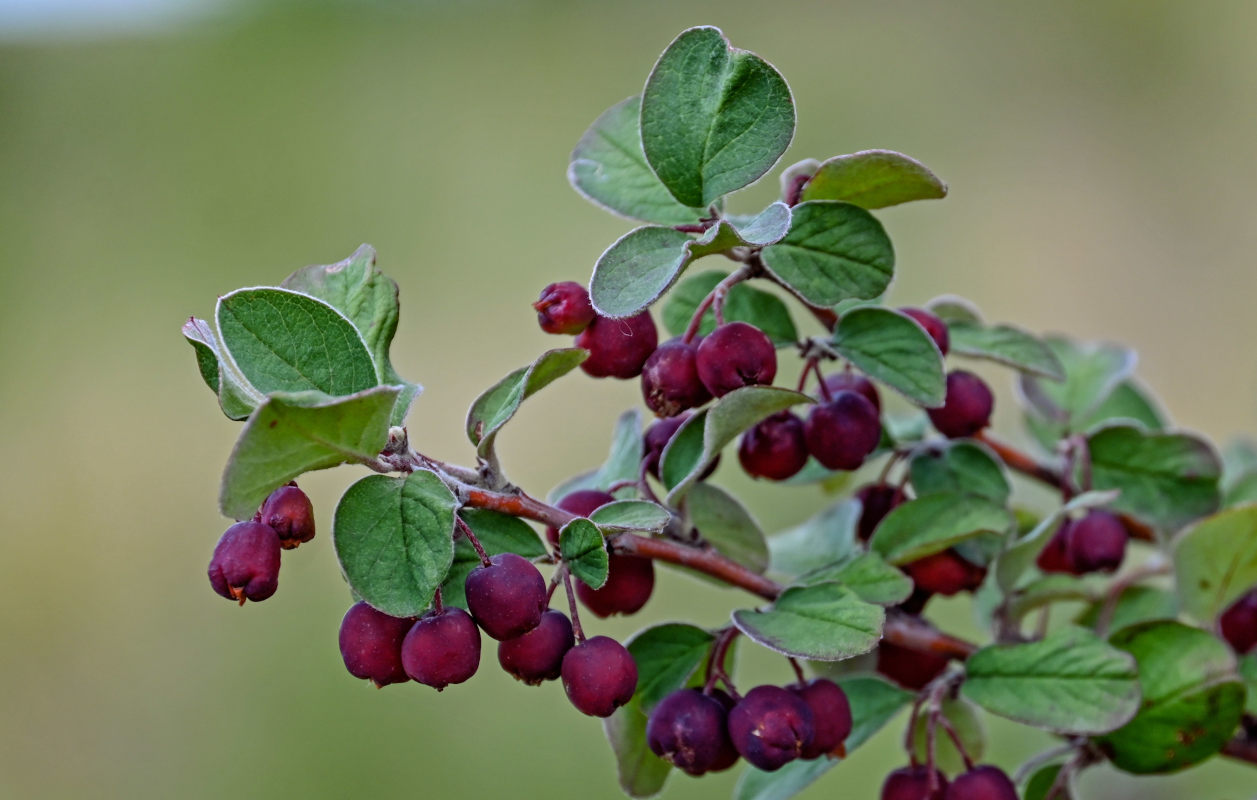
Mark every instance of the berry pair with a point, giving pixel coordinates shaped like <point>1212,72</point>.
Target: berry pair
<point>983,782</point>
<point>617,347</point>
<point>245,563</point>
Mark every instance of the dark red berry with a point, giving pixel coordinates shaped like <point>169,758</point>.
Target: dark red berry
<point>1096,543</point>
<point>670,381</point>
<point>245,564</point>
<point>630,581</point>
<point>582,503</point>
<point>876,501</point>
<point>564,308</point>
<point>442,648</point>
<point>848,381</point>
<point>843,432</point>
<point>537,656</point>
<point>507,597</point>
<point>288,510</point>
<point>946,573</point>
<point>371,644</point>
<point>911,669</point>
<point>774,448</point>
<point>688,730</point>
<point>599,676</point>
<point>1054,556</point>
<point>618,348</point>
<point>913,783</point>
<point>1238,623</point>
<point>935,327</point>
<point>967,408</point>
<point>983,782</point>
<point>728,753</point>
<point>831,715</point>
<point>771,726</point>
<point>734,355</point>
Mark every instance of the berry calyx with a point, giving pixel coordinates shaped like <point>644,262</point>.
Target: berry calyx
<point>734,355</point>
<point>967,408</point>
<point>630,582</point>
<point>670,382</point>
<point>876,501</point>
<point>1238,624</point>
<point>843,432</point>
<point>831,715</point>
<point>847,381</point>
<point>910,669</point>
<point>913,783</point>
<point>983,782</point>
<point>775,448</point>
<point>771,726</point>
<point>582,503</point>
<point>289,511</point>
<point>689,730</point>
<point>245,563</point>
<point>442,648</point>
<point>507,596</point>
<point>537,656</point>
<point>946,573</point>
<point>935,327</point>
<point>618,348</point>
<point>371,644</point>
<point>599,676</point>
<point>564,308</point>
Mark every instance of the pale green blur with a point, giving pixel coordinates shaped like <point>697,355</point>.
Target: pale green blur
<point>1101,160</point>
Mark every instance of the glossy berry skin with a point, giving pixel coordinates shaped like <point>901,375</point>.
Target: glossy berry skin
<point>630,582</point>
<point>913,783</point>
<point>831,715</point>
<point>618,348</point>
<point>507,597</point>
<point>734,355</point>
<point>289,511</point>
<point>442,648</point>
<point>946,573</point>
<point>967,408</point>
<point>983,782</point>
<point>670,381</point>
<point>876,501</point>
<point>371,644</point>
<point>599,676</point>
<point>564,308</point>
<point>843,432</point>
<point>847,381</point>
<point>1096,543</point>
<point>775,448</point>
<point>582,503</point>
<point>908,668</point>
<point>537,656</point>
<point>935,327</point>
<point>1238,624</point>
<point>688,729</point>
<point>245,564</point>
<point>771,726</point>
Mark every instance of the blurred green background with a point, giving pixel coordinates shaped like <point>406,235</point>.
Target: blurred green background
<point>1101,159</point>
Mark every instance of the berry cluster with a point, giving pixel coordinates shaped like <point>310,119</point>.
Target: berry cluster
<point>917,782</point>
<point>245,564</point>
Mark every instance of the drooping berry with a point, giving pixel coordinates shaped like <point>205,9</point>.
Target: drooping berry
<point>771,727</point>
<point>774,448</point>
<point>876,501</point>
<point>582,503</point>
<point>245,564</point>
<point>537,656</point>
<point>507,597</point>
<point>913,783</point>
<point>599,676</point>
<point>564,308</point>
<point>630,581</point>
<point>371,644</point>
<point>1238,624</point>
<point>935,327</point>
<point>670,382</point>
<point>983,782</point>
<point>289,511</point>
<point>911,669</point>
<point>847,381</point>
<point>618,348</point>
<point>967,407</point>
<point>831,715</point>
<point>946,573</point>
<point>734,355</point>
<point>688,729</point>
<point>1096,543</point>
<point>442,648</point>
<point>843,432</point>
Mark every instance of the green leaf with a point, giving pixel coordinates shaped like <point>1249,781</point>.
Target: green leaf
<point>960,467</point>
<point>966,721</point>
<point>641,772</point>
<point>583,548</point>
<point>827,536</point>
<point>666,657</point>
<point>497,533</point>
<point>637,269</point>
<point>622,464</point>
<point>743,303</point>
<point>1216,562</point>
<point>609,169</point>
<point>1022,553</point>
<point>893,349</point>
<point>631,515</point>
<point>934,522</point>
<point>1092,372</point>
<point>953,309</point>
<point>1005,344</point>
<point>833,252</point>
<point>1042,781</point>
<point>290,434</point>
<point>1137,604</point>
<point>1248,671</point>
<point>727,526</point>
<point>1070,682</point>
<point>236,397</point>
<point>714,118</point>
<point>394,540</point>
<point>495,407</point>
<point>1192,699</point>
<point>769,226</point>
<point>1167,479</point>
<point>874,179</point>
<point>825,622</point>
<point>866,574</point>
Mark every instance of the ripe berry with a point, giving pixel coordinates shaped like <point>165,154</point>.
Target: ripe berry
<point>537,656</point>
<point>507,597</point>
<point>1096,543</point>
<point>935,327</point>
<point>245,564</point>
<point>913,783</point>
<point>442,648</point>
<point>967,408</point>
<point>688,729</point>
<point>371,644</point>
<point>599,676</point>
<point>288,510</point>
<point>582,503</point>
<point>911,669</point>
<point>945,573</point>
<point>1053,557</point>
<point>983,782</point>
<point>831,715</point>
<point>618,347</point>
<point>728,753</point>
<point>734,355</point>
<point>876,501</point>
<point>670,381</point>
<point>774,448</point>
<point>847,381</point>
<point>630,581</point>
<point>842,433</point>
<point>1238,623</point>
<point>771,727</point>
<point>564,308</point>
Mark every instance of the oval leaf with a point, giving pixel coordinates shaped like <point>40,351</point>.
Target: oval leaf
<point>827,536</point>
<point>1216,562</point>
<point>743,303</point>
<point>934,522</point>
<point>583,548</point>
<point>1092,371</point>
<point>236,397</point>
<point>1168,479</point>
<point>639,267</point>
<point>631,515</point>
<point>833,252</point>
<point>726,525</point>
<point>874,179</point>
<point>895,350</point>
<point>825,622</point>
<point>666,657</point>
<point>1005,344</point>
<point>498,404</point>
<point>868,575</point>
<point>963,466</point>
<point>769,226</point>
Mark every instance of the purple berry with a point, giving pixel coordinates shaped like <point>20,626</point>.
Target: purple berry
<point>670,381</point>
<point>771,727</point>
<point>289,511</point>
<point>983,782</point>
<point>913,783</point>
<point>847,381</point>
<point>775,448</point>
<point>946,573</point>
<point>911,669</point>
<point>630,581</point>
<point>618,348</point>
<point>582,503</point>
<point>245,564</point>
<point>599,676</point>
<point>734,355</point>
<point>935,327</point>
<point>843,432</point>
<point>537,656</point>
<point>831,715</point>
<point>967,408</point>
<point>1238,623</point>
<point>564,308</point>
<point>442,648</point>
<point>507,597</point>
<point>688,729</point>
<point>876,501</point>
<point>1054,557</point>
<point>1096,543</point>
<point>371,644</point>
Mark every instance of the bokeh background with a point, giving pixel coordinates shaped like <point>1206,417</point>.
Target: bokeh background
<point>155,154</point>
